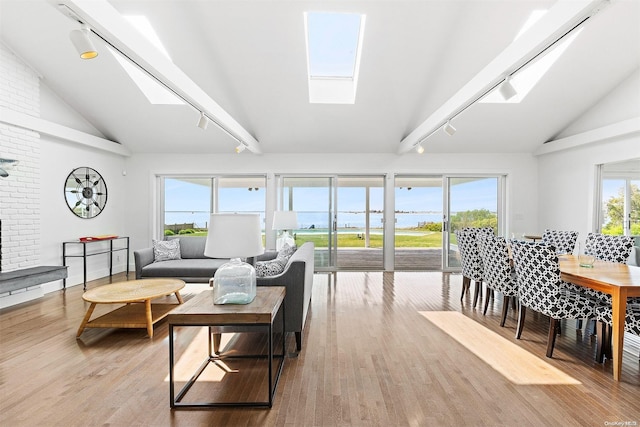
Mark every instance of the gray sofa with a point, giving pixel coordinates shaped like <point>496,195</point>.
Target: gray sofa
<point>297,278</point>
<point>194,267</point>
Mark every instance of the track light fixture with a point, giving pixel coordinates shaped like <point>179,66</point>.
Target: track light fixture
<point>448,128</point>
<point>240,148</point>
<point>420,149</point>
<point>82,42</point>
<point>507,90</point>
<point>203,122</point>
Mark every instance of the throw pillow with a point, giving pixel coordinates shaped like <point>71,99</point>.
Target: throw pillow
<point>165,250</point>
<point>286,251</point>
<point>272,267</point>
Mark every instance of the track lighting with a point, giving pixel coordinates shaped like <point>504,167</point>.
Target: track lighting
<point>420,149</point>
<point>507,90</point>
<point>240,148</point>
<point>82,42</point>
<point>448,128</point>
<point>203,122</point>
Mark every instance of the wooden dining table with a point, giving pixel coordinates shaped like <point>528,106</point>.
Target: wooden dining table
<point>618,280</point>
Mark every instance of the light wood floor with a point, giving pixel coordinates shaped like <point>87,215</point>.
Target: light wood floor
<point>369,358</point>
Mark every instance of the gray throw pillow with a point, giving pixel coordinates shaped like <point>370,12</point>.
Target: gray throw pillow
<point>273,267</point>
<point>165,250</point>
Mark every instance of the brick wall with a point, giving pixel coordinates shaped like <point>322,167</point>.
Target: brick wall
<point>20,191</point>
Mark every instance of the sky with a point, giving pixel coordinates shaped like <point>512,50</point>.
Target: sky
<point>181,195</point>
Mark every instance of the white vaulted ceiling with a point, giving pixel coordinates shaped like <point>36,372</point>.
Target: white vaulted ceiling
<point>249,57</point>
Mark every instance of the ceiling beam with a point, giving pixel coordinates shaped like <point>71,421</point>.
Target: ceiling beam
<point>108,24</point>
<point>562,18</point>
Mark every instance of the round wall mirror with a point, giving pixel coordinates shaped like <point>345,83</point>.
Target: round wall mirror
<point>85,192</point>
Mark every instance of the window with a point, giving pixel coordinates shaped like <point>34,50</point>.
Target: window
<point>189,201</point>
<point>619,212</point>
<point>334,47</point>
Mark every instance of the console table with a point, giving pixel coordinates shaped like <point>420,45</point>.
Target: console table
<point>110,250</point>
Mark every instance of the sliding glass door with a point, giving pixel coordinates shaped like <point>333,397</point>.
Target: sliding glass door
<point>471,202</point>
<point>342,215</point>
<point>428,209</point>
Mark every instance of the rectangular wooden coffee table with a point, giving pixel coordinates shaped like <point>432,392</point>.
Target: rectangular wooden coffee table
<point>257,316</point>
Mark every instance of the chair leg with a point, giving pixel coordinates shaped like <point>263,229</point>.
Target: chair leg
<point>477,293</point>
<point>600,338</point>
<point>521,315</point>
<point>505,309</point>
<point>554,325</point>
<point>466,283</point>
<point>578,323</point>
<point>299,341</point>
<point>486,301</point>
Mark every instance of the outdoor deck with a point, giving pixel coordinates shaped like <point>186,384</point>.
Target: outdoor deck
<point>426,259</point>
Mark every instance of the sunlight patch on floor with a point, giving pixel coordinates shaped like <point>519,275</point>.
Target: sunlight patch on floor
<point>514,363</point>
<point>193,356</point>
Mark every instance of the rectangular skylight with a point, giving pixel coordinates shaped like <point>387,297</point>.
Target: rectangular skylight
<point>154,91</point>
<point>527,78</point>
<point>334,47</point>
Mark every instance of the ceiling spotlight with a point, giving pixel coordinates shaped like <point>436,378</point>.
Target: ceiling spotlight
<point>240,148</point>
<point>203,122</point>
<point>448,128</point>
<point>507,90</point>
<point>82,42</point>
<point>420,149</point>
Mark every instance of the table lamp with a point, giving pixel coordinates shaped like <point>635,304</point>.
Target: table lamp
<point>234,236</point>
<point>285,220</point>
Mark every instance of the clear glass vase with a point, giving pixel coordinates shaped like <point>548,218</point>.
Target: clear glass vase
<point>234,283</point>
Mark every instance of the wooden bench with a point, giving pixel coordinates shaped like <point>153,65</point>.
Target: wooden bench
<point>32,276</point>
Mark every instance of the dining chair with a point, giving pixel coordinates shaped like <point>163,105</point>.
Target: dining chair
<point>472,268</point>
<point>604,316</point>
<point>540,288</point>
<point>499,276</point>
<point>608,248</point>
<point>563,241</point>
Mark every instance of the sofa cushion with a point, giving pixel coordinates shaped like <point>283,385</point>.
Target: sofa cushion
<point>203,267</point>
<point>270,268</point>
<point>165,250</point>
<point>191,246</point>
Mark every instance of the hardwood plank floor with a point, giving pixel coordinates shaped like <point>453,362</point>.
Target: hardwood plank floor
<point>369,358</point>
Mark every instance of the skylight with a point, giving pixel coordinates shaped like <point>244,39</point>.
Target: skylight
<point>527,78</point>
<point>154,91</point>
<point>334,47</point>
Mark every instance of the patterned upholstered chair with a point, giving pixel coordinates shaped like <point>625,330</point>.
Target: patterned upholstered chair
<point>563,241</point>
<point>499,276</point>
<point>604,316</point>
<point>540,288</point>
<point>470,259</point>
<point>607,248</point>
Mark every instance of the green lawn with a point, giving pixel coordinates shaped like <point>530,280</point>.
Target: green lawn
<point>351,240</point>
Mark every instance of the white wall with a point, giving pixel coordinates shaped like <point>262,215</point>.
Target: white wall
<point>567,178</point>
<point>36,219</point>
<point>567,182</point>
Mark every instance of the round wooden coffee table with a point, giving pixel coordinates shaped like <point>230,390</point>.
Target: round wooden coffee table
<point>132,293</point>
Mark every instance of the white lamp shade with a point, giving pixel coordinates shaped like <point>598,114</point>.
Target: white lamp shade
<point>234,236</point>
<point>285,220</point>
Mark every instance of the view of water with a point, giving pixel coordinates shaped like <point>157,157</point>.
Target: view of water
<point>319,220</point>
